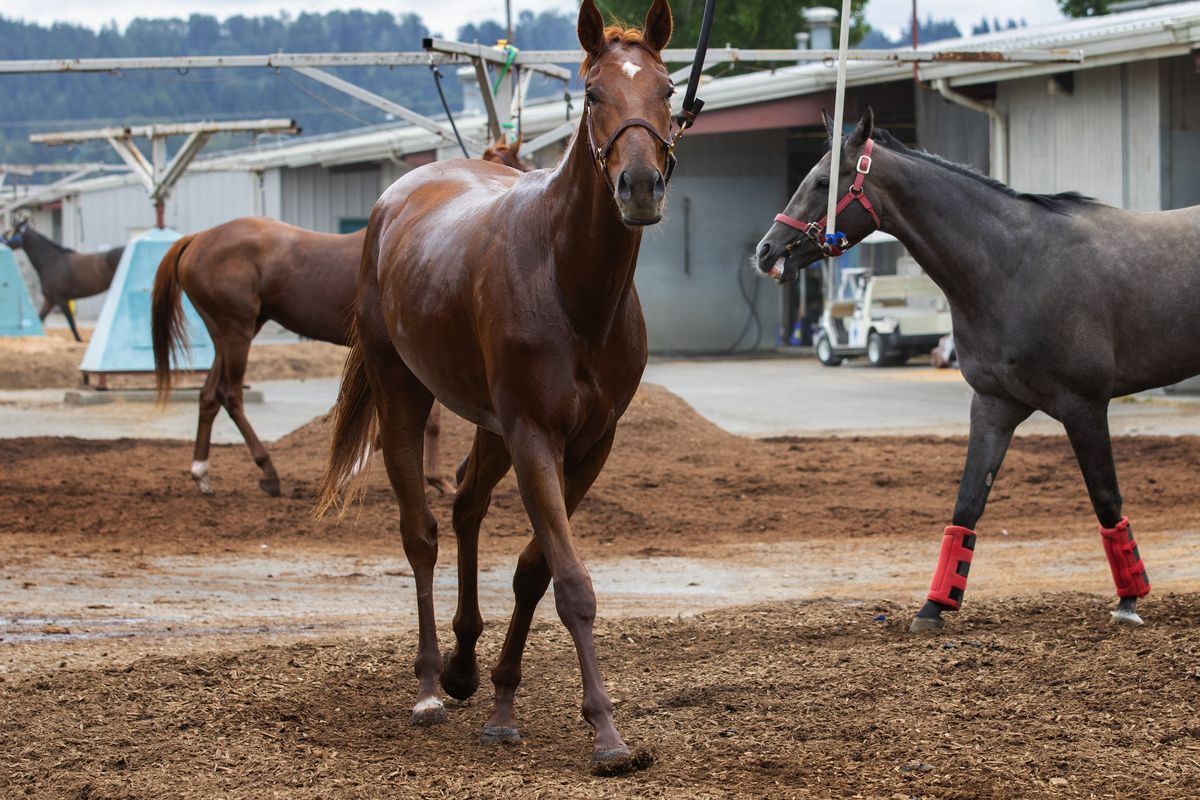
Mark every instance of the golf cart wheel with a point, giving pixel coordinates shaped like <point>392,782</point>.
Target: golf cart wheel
<point>877,350</point>
<point>824,350</point>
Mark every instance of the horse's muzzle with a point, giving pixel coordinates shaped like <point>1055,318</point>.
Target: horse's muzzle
<point>640,194</point>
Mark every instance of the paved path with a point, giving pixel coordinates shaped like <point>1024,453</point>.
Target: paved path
<point>771,397</point>
<point>752,397</point>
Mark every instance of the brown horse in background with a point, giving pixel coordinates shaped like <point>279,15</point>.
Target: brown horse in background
<point>510,299</point>
<point>239,275</point>
<point>64,274</point>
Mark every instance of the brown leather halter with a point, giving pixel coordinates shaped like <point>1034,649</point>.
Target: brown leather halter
<point>600,154</point>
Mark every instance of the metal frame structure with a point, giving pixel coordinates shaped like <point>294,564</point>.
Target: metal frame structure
<point>159,174</point>
<point>499,102</point>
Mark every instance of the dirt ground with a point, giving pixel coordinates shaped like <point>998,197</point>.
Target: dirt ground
<point>1026,699</point>
<point>52,361</point>
<point>1028,693</point>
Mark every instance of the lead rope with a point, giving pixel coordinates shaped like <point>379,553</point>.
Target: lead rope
<point>692,105</point>
<point>437,80</point>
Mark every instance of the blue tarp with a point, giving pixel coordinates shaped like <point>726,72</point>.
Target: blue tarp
<point>17,315</point>
<point>121,341</point>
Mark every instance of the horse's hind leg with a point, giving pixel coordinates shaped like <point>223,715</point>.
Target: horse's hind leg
<point>1087,428</point>
<point>433,451</point>
<point>530,581</point>
<point>209,406</point>
<point>993,420</point>
<point>66,309</point>
<point>483,469</point>
<point>236,352</point>
<point>403,404</point>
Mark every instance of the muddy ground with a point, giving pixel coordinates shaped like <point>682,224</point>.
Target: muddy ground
<point>1026,696</point>
<point>52,362</point>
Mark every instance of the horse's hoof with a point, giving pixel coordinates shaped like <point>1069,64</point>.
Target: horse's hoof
<point>922,624</point>
<point>620,761</point>
<point>458,684</point>
<point>205,486</point>
<point>1126,617</point>
<point>429,711</point>
<point>499,734</point>
<point>442,485</point>
<point>270,487</point>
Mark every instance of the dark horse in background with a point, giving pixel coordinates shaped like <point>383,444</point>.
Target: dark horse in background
<point>510,299</point>
<point>1059,302</point>
<point>64,274</point>
<point>242,273</point>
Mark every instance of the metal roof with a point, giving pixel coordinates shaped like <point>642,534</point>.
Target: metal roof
<point>1151,33</point>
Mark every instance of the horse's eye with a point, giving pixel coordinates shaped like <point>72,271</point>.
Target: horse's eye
<point>670,92</point>
<point>822,183</point>
<point>591,96</point>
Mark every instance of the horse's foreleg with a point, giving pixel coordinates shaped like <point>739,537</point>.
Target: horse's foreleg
<point>539,463</point>
<point>47,306</point>
<point>530,581</point>
<point>433,451</point>
<point>993,420</point>
<point>66,309</point>
<point>209,406</point>
<point>485,466</point>
<point>236,354</point>
<point>1087,428</point>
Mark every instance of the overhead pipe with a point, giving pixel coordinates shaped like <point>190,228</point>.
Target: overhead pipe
<point>998,130</point>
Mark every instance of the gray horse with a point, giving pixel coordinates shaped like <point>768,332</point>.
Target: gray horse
<point>1059,302</point>
<point>64,274</point>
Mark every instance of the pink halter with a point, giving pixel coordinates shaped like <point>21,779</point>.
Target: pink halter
<point>835,244</point>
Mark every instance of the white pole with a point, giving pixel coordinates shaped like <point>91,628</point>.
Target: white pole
<point>839,108</point>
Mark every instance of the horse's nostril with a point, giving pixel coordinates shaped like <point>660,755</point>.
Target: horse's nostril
<point>764,250</point>
<point>623,189</point>
<point>660,186</point>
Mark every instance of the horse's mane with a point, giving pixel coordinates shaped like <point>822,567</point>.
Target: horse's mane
<point>30,229</point>
<point>1060,203</point>
<point>624,35</point>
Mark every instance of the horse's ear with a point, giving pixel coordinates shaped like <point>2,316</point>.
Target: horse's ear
<point>515,147</point>
<point>590,28</point>
<point>865,127</point>
<point>656,31</point>
<point>828,120</point>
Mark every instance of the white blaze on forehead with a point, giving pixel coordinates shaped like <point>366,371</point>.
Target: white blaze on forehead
<point>630,69</point>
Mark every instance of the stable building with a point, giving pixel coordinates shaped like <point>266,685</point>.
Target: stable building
<point>1122,126</point>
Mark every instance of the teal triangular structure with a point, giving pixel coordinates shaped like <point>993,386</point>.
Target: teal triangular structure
<point>121,340</point>
<point>17,317</point>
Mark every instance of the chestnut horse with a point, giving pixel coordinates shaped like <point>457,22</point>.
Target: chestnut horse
<point>510,299</point>
<point>64,274</point>
<point>239,275</point>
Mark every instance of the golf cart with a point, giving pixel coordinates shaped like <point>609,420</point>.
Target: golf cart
<point>887,318</point>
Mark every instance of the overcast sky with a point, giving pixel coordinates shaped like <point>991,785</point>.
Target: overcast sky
<point>445,17</point>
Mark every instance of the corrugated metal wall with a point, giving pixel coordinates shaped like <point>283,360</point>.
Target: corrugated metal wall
<point>317,197</point>
<point>735,184</point>
<point>1102,139</point>
<point>108,218</point>
<point>950,130</point>
<point>1181,132</point>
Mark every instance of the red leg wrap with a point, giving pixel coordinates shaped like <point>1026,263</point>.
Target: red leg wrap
<point>1128,571</point>
<point>954,562</point>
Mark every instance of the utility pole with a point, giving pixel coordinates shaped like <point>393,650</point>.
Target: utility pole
<point>508,18</point>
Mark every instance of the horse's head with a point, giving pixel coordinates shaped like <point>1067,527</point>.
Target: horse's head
<point>785,250</point>
<point>16,239</point>
<point>502,152</point>
<point>627,110</point>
